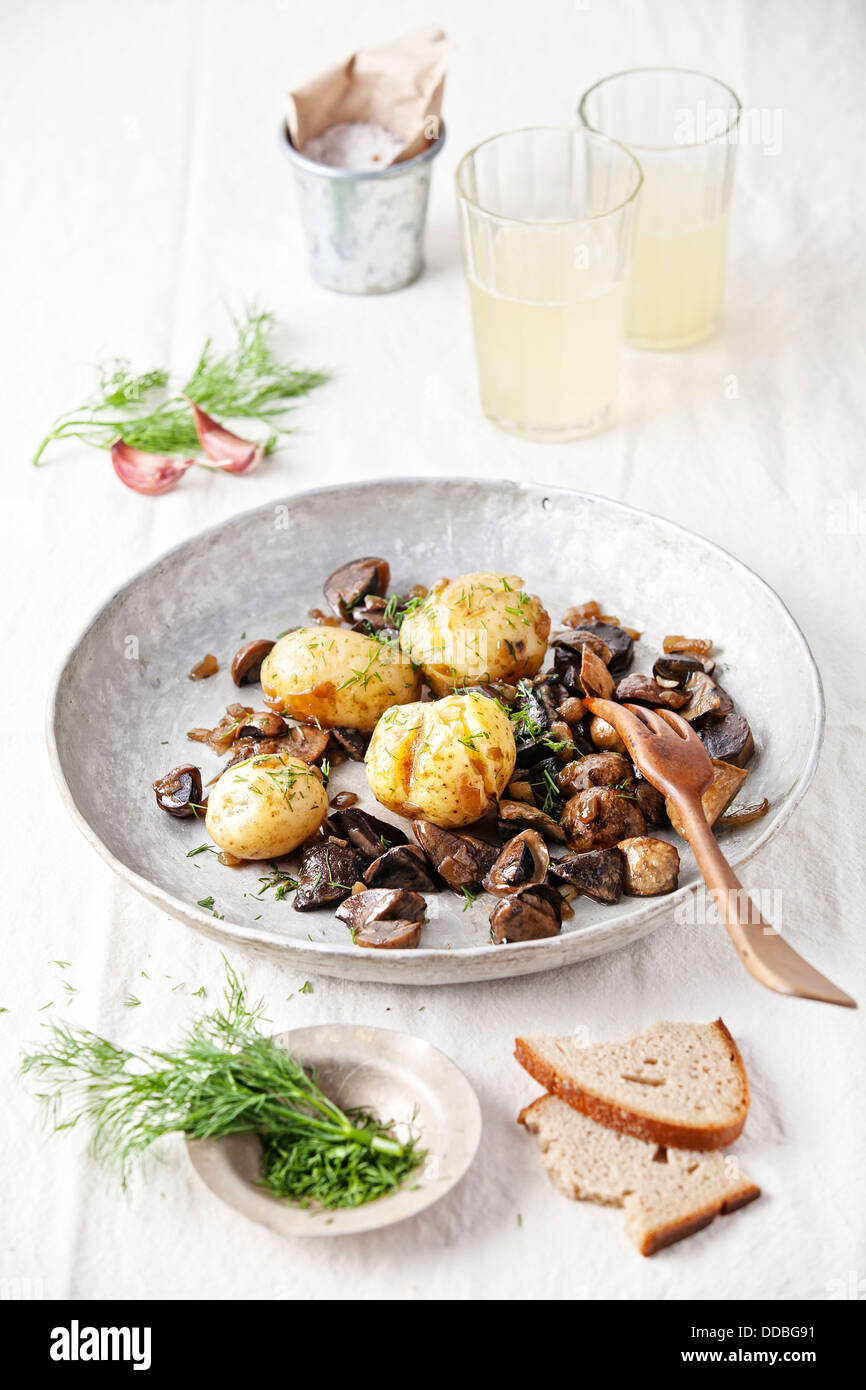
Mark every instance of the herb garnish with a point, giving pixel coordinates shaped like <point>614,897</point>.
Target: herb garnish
<point>249,382</point>
<point>224,1077</point>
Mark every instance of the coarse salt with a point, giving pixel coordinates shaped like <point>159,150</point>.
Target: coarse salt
<point>356,145</point>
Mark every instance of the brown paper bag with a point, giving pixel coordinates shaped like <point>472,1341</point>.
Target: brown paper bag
<point>397,85</point>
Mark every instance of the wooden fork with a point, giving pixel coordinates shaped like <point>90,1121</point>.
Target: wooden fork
<point>671,756</point>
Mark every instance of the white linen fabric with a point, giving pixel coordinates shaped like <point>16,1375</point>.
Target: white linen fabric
<point>143,189</point>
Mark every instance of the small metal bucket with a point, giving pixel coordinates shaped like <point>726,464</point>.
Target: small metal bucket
<point>364,229</point>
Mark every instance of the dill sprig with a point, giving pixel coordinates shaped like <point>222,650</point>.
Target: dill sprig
<point>225,1077</point>
<point>249,382</point>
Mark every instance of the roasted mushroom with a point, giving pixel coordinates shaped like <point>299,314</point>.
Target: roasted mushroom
<point>179,791</point>
<point>674,671</point>
<point>353,743</point>
<point>650,866</point>
<point>372,616</point>
<point>529,915</point>
<point>307,743</point>
<point>461,860</point>
<point>404,866</point>
<point>367,833</point>
<point>645,690</point>
<point>247,661</point>
<point>597,873</point>
<point>597,770</point>
<point>221,737</point>
<point>600,818</point>
<point>523,862</point>
<point>517,815</point>
<point>595,678</point>
<point>389,936</point>
<point>329,869</point>
<point>381,905</point>
<point>729,739</point>
<point>264,724</point>
<point>605,736</point>
<point>727,781</point>
<point>619,642</point>
<point>352,582</point>
<point>706,697</point>
<point>650,801</point>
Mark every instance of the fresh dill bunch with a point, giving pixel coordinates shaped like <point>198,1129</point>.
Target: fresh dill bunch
<point>224,1077</point>
<point>249,382</point>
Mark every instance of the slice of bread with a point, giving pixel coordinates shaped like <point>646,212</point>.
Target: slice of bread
<point>678,1084</point>
<point>667,1194</point>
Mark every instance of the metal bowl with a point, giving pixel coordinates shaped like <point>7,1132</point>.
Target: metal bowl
<point>123,700</point>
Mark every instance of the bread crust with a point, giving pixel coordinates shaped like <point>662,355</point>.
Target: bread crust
<point>662,1236</point>
<point>635,1122</point>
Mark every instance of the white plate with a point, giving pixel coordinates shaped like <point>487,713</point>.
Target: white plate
<point>397,1077</point>
<point>120,709</point>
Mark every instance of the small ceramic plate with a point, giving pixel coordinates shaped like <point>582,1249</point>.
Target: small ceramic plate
<point>398,1078</point>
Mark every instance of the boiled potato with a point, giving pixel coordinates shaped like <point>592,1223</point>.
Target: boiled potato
<point>480,627</point>
<point>266,807</point>
<point>336,678</point>
<point>446,760</point>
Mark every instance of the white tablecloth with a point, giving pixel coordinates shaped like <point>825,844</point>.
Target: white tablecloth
<point>142,190</point>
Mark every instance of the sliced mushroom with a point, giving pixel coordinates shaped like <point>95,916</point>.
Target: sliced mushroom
<point>514,815</point>
<point>523,862</point>
<point>328,871</point>
<point>371,616</point>
<point>651,802</point>
<point>389,936</point>
<point>404,866</point>
<point>179,791</point>
<point>597,873</point>
<point>461,860</point>
<point>599,818</point>
<point>367,833</point>
<point>529,915</point>
<point>574,642</point>
<point>729,739</point>
<point>208,666</point>
<point>352,582</point>
<point>263,724</point>
<point>382,905</point>
<point>674,671</point>
<point>247,661</point>
<point>221,737</point>
<point>597,770</point>
<point>307,743</point>
<point>706,697</point>
<point>743,815</point>
<point>650,866</point>
<point>620,643</point>
<point>353,743</point>
<point>727,781</point>
<point>595,678</point>
<point>644,690</point>
<point>605,736</point>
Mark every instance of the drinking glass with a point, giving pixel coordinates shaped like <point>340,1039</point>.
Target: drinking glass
<point>547,217</point>
<point>682,126</point>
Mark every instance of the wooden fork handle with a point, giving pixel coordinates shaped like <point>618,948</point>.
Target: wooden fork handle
<point>763,952</point>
